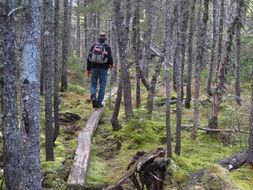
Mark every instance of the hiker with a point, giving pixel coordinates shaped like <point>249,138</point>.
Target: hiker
<point>98,62</point>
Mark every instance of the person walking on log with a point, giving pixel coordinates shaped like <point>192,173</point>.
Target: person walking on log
<point>98,62</point>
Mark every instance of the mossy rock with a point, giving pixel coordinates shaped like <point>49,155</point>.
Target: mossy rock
<point>214,177</point>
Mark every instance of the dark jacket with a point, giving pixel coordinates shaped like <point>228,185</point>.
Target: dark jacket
<point>106,65</point>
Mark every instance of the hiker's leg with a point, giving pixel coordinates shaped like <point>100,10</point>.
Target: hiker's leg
<point>102,83</point>
<point>93,83</point>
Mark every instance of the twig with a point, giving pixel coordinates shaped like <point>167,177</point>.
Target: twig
<point>9,14</point>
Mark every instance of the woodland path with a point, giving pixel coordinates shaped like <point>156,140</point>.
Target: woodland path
<point>81,161</point>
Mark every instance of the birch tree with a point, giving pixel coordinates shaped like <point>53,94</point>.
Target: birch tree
<point>250,150</point>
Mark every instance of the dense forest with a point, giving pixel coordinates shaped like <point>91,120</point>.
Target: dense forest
<point>178,108</point>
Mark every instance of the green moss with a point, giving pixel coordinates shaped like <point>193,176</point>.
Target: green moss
<point>97,171</point>
<point>76,89</point>
<point>243,177</point>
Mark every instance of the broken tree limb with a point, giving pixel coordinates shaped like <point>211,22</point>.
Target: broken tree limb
<point>235,161</point>
<point>216,130</point>
<point>136,166</point>
<point>81,162</point>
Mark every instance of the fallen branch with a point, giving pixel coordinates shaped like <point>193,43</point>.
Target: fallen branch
<point>235,161</point>
<point>216,130</point>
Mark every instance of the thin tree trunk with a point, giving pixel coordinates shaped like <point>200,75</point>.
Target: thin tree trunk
<point>30,89</point>
<point>190,48</point>
<point>9,108</point>
<point>168,45</point>
<point>221,67</point>
<point>78,32</point>
<point>199,60</point>
<point>250,150</point>
<point>48,59</point>
<point>122,35</point>
<point>56,71</point>
<point>65,48</point>
<point>185,15</point>
<point>137,48</point>
<point>114,71</point>
<point>213,51</point>
<point>147,38</point>
<point>114,120</point>
<point>220,32</point>
<point>238,64</point>
<point>178,61</point>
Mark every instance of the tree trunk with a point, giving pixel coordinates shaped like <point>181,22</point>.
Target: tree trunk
<point>147,37</point>
<point>114,120</point>
<point>114,70</point>
<point>221,67</point>
<point>168,58</point>
<point>238,64</point>
<point>213,51</point>
<point>178,61</point>
<point>8,72</point>
<point>152,86</point>
<point>65,48</point>
<point>185,15</point>
<point>48,59</point>
<point>30,84</point>
<point>189,55</point>
<point>78,32</point>
<point>220,32</point>
<point>199,60</point>
<point>56,71</point>
<point>250,151</point>
<point>122,35</point>
<point>137,48</point>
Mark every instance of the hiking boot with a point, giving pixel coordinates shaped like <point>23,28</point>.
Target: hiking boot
<point>94,102</point>
<point>100,105</point>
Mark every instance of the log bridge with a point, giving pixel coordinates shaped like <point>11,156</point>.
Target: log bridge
<point>79,170</point>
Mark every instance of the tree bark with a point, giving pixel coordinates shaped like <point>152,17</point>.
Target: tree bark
<point>213,50</point>
<point>199,60</point>
<point>65,48</point>
<point>30,84</point>
<point>178,61</point>
<point>147,37</point>
<point>78,32</point>
<point>122,38</point>
<point>238,64</point>
<point>56,71</point>
<point>250,150</point>
<point>221,67</point>
<point>137,48</point>
<point>168,59</point>
<point>189,55</point>
<point>48,59</point>
<point>9,108</point>
<point>220,31</point>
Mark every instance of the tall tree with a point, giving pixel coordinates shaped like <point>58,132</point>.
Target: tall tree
<point>168,45</point>
<point>147,37</point>
<point>48,60</point>
<point>250,151</point>
<point>65,47</point>
<point>178,63</point>
<point>56,70</point>
<point>137,48</point>
<point>78,31</point>
<point>213,50</point>
<point>30,87</point>
<point>238,63</point>
<point>199,60</point>
<point>220,30</point>
<point>122,38</point>
<point>189,55</point>
<point>222,66</point>
<point>8,72</point>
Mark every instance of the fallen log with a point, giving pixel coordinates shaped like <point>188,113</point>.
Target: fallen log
<point>216,130</point>
<point>235,161</point>
<point>81,162</point>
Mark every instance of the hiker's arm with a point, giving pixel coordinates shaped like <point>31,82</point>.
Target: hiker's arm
<point>88,60</point>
